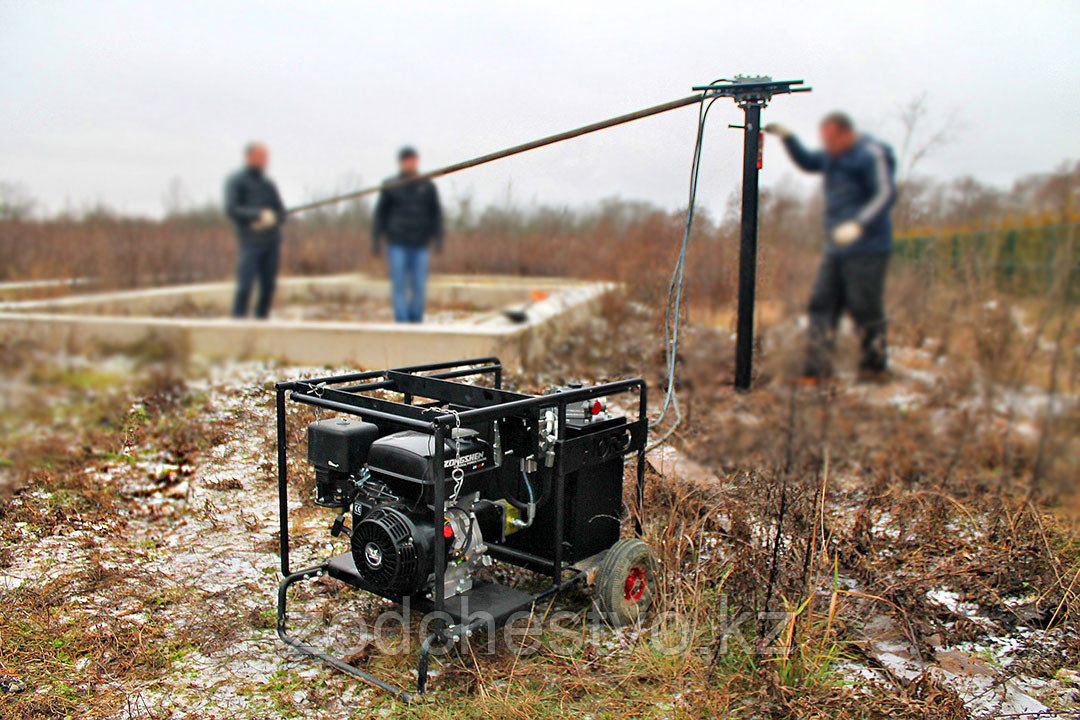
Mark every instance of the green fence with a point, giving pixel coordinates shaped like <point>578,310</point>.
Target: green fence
<point>1023,260</point>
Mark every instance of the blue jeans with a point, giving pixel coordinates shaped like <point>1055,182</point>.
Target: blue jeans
<point>256,261</point>
<point>408,281</point>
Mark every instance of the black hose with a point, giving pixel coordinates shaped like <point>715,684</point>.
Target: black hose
<point>674,300</point>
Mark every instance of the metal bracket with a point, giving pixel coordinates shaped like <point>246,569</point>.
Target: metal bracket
<point>751,89</point>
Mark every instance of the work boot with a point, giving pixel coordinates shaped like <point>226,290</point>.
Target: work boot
<point>812,375</point>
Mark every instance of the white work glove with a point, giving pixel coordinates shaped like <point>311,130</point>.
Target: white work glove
<point>782,131</point>
<point>266,220</point>
<point>846,233</point>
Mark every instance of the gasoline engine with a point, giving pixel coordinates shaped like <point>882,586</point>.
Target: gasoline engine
<point>496,489</point>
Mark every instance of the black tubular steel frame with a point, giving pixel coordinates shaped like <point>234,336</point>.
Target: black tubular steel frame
<point>342,393</point>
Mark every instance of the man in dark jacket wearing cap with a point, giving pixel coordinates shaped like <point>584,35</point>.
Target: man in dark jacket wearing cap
<point>859,194</point>
<point>408,220</point>
<point>253,204</point>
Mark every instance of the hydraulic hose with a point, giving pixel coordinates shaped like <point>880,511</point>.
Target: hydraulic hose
<point>530,507</point>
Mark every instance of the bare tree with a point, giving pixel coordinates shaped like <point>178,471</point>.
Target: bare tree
<point>175,200</point>
<point>919,139</point>
<point>15,202</point>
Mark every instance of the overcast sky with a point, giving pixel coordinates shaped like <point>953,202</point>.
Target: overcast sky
<point>106,101</point>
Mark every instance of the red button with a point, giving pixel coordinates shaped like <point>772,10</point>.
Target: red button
<point>447,531</point>
<point>597,408</point>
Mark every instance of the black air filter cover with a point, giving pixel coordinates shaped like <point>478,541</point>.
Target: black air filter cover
<point>340,444</point>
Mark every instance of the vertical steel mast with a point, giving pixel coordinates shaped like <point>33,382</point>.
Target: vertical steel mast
<point>751,93</point>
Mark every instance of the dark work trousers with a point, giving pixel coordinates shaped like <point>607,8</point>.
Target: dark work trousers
<point>855,283</point>
<point>259,261</point>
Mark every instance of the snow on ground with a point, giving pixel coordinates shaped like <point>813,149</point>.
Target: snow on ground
<point>209,539</point>
<point>207,532</point>
<point>226,547</point>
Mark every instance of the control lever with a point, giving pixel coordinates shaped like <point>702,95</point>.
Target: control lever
<point>339,528</point>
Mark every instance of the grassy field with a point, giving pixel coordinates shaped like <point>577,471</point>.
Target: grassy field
<point>849,551</point>
<point>857,551</point>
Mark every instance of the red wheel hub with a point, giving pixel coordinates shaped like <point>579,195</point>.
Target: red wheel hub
<point>634,587</point>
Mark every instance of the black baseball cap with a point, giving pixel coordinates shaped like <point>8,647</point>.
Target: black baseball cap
<point>407,152</point>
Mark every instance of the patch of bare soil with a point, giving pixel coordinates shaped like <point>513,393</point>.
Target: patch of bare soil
<point>849,551</point>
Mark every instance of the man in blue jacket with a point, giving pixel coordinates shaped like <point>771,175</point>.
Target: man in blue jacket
<point>859,193</point>
<point>253,204</point>
<point>408,218</point>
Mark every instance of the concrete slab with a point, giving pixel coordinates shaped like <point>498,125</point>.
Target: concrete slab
<point>21,289</point>
<point>119,319</point>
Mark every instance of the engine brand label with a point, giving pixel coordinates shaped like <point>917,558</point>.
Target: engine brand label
<point>464,460</point>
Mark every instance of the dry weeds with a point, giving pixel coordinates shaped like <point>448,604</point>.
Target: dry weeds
<point>908,550</point>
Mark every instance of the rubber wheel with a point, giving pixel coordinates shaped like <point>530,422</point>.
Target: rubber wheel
<point>626,581</point>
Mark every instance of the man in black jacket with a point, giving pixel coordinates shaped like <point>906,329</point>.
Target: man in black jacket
<point>253,204</point>
<point>859,193</point>
<point>409,218</point>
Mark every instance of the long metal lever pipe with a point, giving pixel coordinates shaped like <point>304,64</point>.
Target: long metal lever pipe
<point>498,155</point>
